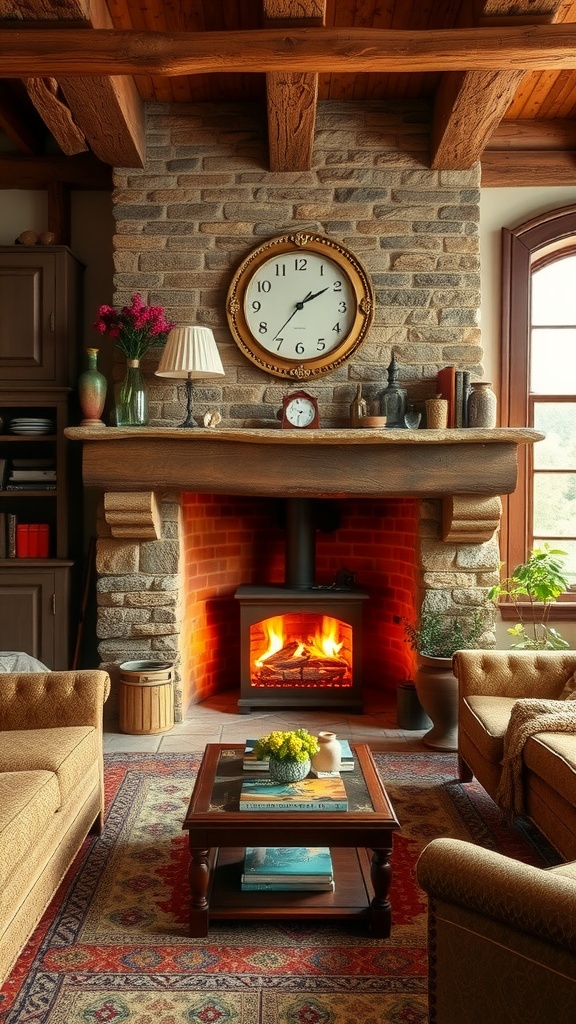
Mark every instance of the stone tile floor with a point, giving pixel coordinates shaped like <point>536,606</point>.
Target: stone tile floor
<point>217,720</point>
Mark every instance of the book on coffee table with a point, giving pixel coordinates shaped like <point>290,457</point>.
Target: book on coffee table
<point>291,868</point>
<point>307,795</point>
<point>252,764</point>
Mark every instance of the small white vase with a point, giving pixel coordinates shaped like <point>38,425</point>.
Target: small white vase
<point>329,757</point>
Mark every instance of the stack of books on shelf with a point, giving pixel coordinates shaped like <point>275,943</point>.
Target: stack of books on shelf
<point>23,540</point>
<point>287,869</point>
<point>327,794</point>
<point>32,475</point>
<point>454,386</point>
<point>251,764</point>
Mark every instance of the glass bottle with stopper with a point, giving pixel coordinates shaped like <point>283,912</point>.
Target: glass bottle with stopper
<point>393,400</point>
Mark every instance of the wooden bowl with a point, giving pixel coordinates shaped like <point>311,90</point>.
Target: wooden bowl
<point>372,421</point>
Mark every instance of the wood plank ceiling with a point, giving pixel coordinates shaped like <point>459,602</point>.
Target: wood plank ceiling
<point>499,77</point>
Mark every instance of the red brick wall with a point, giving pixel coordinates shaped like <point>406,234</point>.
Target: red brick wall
<point>234,540</point>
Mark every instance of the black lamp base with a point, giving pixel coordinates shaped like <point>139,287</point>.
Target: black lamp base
<point>188,421</point>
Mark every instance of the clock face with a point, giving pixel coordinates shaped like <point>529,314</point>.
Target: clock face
<point>299,305</point>
<point>300,412</point>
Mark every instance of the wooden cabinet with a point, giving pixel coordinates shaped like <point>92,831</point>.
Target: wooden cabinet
<point>39,314</point>
<point>34,605</point>
<point>39,342</point>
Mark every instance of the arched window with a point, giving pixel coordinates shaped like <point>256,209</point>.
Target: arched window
<point>539,382</point>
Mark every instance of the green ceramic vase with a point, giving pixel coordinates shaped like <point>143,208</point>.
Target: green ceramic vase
<point>92,387</point>
<point>284,770</point>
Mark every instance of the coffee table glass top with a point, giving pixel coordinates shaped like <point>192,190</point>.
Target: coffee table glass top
<point>230,775</point>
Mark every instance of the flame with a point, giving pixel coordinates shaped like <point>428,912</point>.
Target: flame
<point>324,644</point>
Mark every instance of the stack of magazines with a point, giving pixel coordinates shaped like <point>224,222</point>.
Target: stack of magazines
<point>287,869</point>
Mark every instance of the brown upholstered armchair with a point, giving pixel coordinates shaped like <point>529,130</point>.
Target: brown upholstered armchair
<point>502,937</point>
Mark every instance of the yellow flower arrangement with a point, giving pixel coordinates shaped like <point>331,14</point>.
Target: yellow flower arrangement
<point>287,746</point>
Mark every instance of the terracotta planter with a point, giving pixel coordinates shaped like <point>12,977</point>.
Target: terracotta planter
<point>437,689</point>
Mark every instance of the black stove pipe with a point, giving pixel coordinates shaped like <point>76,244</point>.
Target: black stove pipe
<point>300,543</point>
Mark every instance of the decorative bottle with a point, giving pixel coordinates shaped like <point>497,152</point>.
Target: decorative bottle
<point>393,399</point>
<point>92,387</point>
<point>329,756</point>
<point>481,405</point>
<point>132,400</point>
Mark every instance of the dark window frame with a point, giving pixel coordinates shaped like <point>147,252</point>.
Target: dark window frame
<point>525,248</point>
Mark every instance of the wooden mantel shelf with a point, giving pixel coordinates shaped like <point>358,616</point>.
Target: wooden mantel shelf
<point>468,469</point>
<point>314,463</point>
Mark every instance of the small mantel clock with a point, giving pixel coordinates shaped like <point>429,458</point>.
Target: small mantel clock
<point>300,410</point>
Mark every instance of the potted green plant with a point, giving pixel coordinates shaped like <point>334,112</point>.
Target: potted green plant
<point>533,588</point>
<point>289,753</point>
<point>435,638</point>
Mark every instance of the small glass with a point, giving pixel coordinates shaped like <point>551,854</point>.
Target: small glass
<point>412,418</point>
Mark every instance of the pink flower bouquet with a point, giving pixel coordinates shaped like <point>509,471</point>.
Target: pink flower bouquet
<point>134,328</point>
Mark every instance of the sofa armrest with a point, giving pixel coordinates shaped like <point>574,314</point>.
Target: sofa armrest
<point>535,901</point>
<point>513,673</point>
<point>38,700</point>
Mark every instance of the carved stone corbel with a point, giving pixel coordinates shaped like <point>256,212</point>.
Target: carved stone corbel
<point>470,518</point>
<point>133,514</point>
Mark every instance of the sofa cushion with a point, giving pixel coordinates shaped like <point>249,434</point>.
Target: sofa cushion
<point>552,756</point>
<point>485,720</point>
<point>28,802</point>
<point>68,752</point>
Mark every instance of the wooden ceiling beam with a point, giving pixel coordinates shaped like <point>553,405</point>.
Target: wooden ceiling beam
<point>83,172</point>
<point>70,52</point>
<point>56,115</point>
<point>469,105</point>
<point>292,97</point>
<point>105,113</point>
<point>522,168</point>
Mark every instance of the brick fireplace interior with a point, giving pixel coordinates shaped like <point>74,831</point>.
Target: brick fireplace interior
<point>231,542</point>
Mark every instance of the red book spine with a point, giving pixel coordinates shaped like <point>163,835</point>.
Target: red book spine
<point>33,540</point>
<point>22,535</point>
<point>43,540</point>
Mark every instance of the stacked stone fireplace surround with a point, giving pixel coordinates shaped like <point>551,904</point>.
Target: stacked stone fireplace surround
<point>183,223</point>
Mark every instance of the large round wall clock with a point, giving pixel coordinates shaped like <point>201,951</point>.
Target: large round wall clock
<point>300,305</point>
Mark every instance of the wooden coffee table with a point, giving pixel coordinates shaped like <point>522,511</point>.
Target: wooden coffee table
<point>219,834</point>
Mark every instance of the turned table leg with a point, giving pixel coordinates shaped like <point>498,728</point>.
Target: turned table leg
<point>380,907</point>
<point>199,876</point>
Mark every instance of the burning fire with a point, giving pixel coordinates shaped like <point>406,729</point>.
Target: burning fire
<point>324,644</point>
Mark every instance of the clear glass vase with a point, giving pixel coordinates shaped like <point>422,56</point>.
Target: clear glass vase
<point>132,399</point>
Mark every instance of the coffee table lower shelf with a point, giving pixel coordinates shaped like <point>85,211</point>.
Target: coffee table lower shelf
<point>352,897</point>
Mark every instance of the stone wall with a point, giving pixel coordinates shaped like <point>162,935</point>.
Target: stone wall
<point>184,223</point>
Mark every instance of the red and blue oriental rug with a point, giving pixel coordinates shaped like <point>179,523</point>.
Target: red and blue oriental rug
<point>113,947</point>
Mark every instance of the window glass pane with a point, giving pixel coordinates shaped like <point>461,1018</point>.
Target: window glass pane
<point>553,293</point>
<point>554,505</point>
<point>553,361</point>
<point>569,546</point>
<point>558,421</point>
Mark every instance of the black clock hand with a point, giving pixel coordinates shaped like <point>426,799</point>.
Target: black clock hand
<point>299,305</point>
<point>316,294</point>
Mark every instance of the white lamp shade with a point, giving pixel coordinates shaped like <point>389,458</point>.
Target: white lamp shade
<point>189,353</point>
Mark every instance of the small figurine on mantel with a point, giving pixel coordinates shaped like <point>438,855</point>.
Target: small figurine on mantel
<point>393,400</point>
<point>358,408</point>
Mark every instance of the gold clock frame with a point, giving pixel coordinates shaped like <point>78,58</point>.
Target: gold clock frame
<point>300,241</point>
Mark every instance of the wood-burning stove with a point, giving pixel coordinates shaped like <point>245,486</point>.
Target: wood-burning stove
<point>301,643</point>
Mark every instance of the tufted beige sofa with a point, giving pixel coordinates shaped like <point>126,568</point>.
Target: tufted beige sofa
<point>501,937</point>
<point>488,684</point>
<point>51,790</point>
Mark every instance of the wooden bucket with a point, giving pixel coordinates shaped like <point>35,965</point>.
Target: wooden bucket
<point>146,697</point>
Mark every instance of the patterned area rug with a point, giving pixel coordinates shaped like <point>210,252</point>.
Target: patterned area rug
<point>113,947</point>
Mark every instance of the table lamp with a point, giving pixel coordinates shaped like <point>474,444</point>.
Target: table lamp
<point>190,354</point>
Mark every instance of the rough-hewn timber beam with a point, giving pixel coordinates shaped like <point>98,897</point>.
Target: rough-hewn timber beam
<point>292,97</point>
<point>470,105</point>
<point>69,52</point>
<point>38,172</point>
<point>521,168</point>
